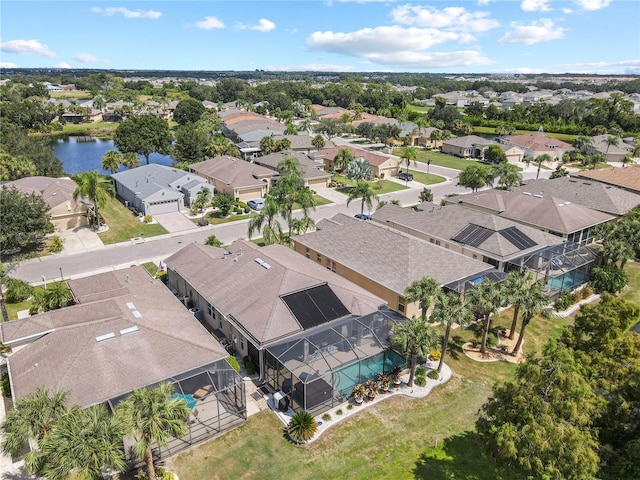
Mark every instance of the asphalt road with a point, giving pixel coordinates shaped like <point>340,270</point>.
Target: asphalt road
<point>114,257</point>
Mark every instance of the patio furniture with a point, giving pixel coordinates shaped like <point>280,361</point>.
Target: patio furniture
<point>202,392</point>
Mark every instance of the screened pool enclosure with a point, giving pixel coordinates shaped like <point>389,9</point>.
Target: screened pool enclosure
<point>318,369</point>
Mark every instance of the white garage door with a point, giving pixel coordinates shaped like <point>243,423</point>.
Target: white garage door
<point>163,207</point>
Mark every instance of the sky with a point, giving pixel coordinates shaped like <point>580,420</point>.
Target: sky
<point>447,36</point>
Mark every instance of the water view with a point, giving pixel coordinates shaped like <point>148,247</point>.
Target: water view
<point>79,154</point>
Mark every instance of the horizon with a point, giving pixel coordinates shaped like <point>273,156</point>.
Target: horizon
<point>481,37</point>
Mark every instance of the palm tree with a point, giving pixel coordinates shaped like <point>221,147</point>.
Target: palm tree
<point>582,143</point>
<point>535,303</point>
<point>130,160</point>
<point>302,225</point>
<point>96,188</point>
<point>626,160</point>
<point>203,199</point>
<point>422,291</point>
<point>508,175</point>
<point>152,416</point>
<point>81,445</point>
<point>33,417</point>
<point>614,251</point>
<point>364,191</point>
<point>272,231</point>
<point>111,161</point>
<point>486,297</point>
<point>318,142</point>
<point>414,338</point>
<point>408,154</point>
<point>302,426</point>
<point>450,308</point>
<point>342,158</point>
<point>435,137</point>
<point>359,169</point>
<point>516,287</point>
<point>545,157</point>
<point>610,140</point>
<point>57,296</point>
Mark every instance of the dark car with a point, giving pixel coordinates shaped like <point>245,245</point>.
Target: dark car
<point>364,216</point>
<point>405,176</point>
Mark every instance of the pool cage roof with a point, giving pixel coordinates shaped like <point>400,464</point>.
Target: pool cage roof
<point>213,378</point>
<point>325,349</point>
<point>555,260</point>
<point>464,284</point>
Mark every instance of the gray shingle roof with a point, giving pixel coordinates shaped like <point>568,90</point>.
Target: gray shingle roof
<point>232,171</point>
<point>54,191</point>
<point>385,255</point>
<point>168,341</point>
<point>251,293</point>
<point>152,179</point>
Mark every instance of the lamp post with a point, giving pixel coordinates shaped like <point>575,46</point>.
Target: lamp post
<point>61,276</point>
<point>44,280</point>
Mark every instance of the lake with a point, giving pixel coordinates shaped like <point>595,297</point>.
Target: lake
<point>78,155</point>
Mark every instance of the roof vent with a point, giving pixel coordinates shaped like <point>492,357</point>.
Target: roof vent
<point>131,306</point>
<point>104,337</point>
<point>124,331</point>
<point>137,314</point>
<point>266,265</point>
<point>538,195</point>
<point>526,193</point>
<point>259,261</point>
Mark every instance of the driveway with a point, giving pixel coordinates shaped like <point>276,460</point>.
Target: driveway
<point>82,239</point>
<point>174,222</point>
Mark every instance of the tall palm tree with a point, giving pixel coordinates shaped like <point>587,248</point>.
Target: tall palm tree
<point>272,231</point>
<point>423,291</point>
<point>516,287</point>
<point>153,416</point>
<point>545,157</point>
<point>342,158</point>
<point>318,142</point>
<point>486,297</point>
<point>33,417</point>
<point>364,191</point>
<point>82,444</point>
<point>96,188</point>
<point>508,175</point>
<point>450,308</point>
<point>408,155</point>
<point>302,225</point>
<point>130,160</point>
<point>535,303</point>
<point>582,143</point>
<point>610,140</point>
<point>415,338</point>
<point>614,251</point>
<point>111,160</point>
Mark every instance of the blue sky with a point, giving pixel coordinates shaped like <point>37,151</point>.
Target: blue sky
<point>475,36</point>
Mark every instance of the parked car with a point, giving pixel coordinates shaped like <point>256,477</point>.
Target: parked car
<point>256,204</point>
<point>364,216</point>
<point>405,176</point>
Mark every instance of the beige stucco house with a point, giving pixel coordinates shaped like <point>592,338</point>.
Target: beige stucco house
<point>383,166</point>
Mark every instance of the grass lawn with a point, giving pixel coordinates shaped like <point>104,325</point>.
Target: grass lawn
<point>124,225</point>
<point>216,219</point>
<point>632,292</point>
<point>560,136</point>
<point>426,178</point>
<point>79,94</point>
<point>380,187</point>
<point>400,438</point>
<point>98,129</point>
<point>440,159</point>
<point>14,308</point>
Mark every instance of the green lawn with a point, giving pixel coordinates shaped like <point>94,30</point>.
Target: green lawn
<point>124,225</point>
<point>560,136</point>
<point>440,159</point>
<point>395,439</point>
<point>632,293</point>
<point>216,219</point>
<point>426,178</point>
<point>380,187</point>
<point>98,129</point>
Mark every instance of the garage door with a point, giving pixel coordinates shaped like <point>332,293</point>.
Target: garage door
<point>163,207</point>
<point>318,183</point>
<point>249,194</point>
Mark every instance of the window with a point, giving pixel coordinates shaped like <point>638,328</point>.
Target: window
<point>241,344</point>
<point>331,265</point>
<point>211,310</point>
<point>307,253</point>
<point>438,242</point>
<point>401,304</point>
<point>319,258</point>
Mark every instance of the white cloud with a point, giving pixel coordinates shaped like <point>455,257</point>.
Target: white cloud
<point>538,31</point>
<point>210,23</point>
<point>86,58</point>
<point>451,18</point>
<point>312,67</point>
<point>62,65</point>
<point>623,67</point>
<point>25,47</point>
<point>567,11</point>
<point>8,65</point>
<point>535,5</point>
<point>485,2</point>
<point>593,4</point>
<point>431,59</point>
<point>126,13</point>
<point>264,25</point>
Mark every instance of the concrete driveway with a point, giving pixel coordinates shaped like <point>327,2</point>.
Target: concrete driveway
<point>81,239</point>
<point>174,222</point>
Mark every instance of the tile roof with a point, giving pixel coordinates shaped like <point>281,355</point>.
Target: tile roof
<point>54,191</point>
<point>66,354</point>
<point>374,159</point>
<point>539,211</point>
<point>385,255</point>
<point>239,286</point>
<point>537,142</point>
<point>448,221</point>
<point>310,167</point>
<point>625,177</point>
<point>233,171</point>
<point>596,195</point>
<point>468,141</point>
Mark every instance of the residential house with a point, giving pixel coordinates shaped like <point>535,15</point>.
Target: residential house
<point>560,217</point>
<point>610,153</point>
<point>126,331</point>
<point>312,334</point>
<point>299,143</point>
<point>468,146</point>
<point>536,144</point>
<point>248,126</point>
<point>385,261</point>
<point>234,176</point>
<point>383,166</point>
<point>66,213</point>
<point>598,196</point>
<point>314,176</point>
<point>627,178</point>
<point>153,189</point>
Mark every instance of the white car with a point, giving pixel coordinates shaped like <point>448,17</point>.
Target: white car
<point>256,204</point>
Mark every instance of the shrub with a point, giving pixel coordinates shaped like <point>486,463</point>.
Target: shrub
<point>17,290</point>
<point>148,219</point>
<point>586,291</point>
<point>576,296</point>
<point>420,381</point>
<point>249,365</point>
<point>213,241</point>
<point>302,426</point>
<point>203,222</point>
<point>492,341</point>
<point>433,374</point>
<point>193,212</point>
<point>435,354</point>
<point>339,411</point>
<point>563,301</point>
<point>233,361</point>
<point>5,385</point>
<point>57,244</point>
<point>326,417</point>
<point>420,372</point>
<point>349,407</point>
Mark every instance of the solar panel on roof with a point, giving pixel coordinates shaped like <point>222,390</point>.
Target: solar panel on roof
<point>473,235</point>
<point>517,238</point>
<point>315,306</point>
